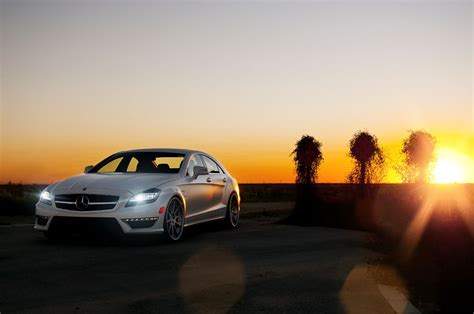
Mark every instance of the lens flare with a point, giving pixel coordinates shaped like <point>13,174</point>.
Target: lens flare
<point>442,205</point>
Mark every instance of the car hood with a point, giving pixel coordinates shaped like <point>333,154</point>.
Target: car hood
<point>120,182</point>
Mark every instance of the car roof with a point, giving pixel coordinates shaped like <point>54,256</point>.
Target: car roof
<point>164,150</point>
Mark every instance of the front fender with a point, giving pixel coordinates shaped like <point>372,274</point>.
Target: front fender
<point>175,192</point>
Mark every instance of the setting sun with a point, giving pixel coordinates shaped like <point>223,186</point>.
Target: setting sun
<point>451,167</point>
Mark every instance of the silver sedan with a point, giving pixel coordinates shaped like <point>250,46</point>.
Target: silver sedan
<point>145,191</point>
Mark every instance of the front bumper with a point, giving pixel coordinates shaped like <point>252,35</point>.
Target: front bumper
<point>140,219</point>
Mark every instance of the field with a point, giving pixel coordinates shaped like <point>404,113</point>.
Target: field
<point>18,199</point>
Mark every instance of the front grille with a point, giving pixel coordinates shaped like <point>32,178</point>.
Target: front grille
<point>84,225</point>
<point>85,202</point>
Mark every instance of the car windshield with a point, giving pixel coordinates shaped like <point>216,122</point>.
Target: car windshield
<point>140,162</point>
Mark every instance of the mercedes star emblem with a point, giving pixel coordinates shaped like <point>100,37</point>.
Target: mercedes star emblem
<point>82,202</point>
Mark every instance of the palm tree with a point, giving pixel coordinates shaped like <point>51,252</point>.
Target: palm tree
<point>418,149</point>
<point>369,159</point>
<point>307,156</point>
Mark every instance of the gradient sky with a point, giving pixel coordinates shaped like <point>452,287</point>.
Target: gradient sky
<point>243,81</point>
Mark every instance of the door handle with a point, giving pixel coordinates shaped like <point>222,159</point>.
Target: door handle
<point>225,179</point>
<point>209,179</point>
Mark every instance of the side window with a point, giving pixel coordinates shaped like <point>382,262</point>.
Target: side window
<point>111,166</point>
<point>168,164</point>
<point>132,165</point>
<point>212,167</point>
<point>194,161</point>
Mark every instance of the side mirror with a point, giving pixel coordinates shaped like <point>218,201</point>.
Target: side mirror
<point>88,168</point>
<point>199,171</point>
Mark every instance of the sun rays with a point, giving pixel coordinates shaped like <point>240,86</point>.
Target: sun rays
<point>447,203</point>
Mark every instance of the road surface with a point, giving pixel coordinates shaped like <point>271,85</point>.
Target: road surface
<point>260,267</point>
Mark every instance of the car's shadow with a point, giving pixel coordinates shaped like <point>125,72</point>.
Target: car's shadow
<point>109,239</point>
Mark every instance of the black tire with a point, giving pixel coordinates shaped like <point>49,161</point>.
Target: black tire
<point>232,216</point>
<point>173,223</point>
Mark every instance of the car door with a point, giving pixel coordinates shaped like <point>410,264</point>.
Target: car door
<point>196,192</point>
<point>216,181</point>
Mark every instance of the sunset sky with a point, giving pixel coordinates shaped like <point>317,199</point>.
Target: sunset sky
<point>80,80</point>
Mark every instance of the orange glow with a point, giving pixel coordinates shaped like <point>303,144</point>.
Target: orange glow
<point>451,167</point>
<point>251,159</point>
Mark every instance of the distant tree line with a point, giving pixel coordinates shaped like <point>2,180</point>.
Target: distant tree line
<point>369,159</point>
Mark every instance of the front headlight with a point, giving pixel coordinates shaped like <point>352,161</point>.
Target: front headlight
<point>145,197</point>
<point>46,198</point>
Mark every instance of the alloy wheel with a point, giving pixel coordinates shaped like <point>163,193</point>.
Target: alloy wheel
<point>234,211</point>
<point>174,219</point>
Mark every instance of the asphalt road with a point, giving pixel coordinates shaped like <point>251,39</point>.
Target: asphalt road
<point>260,267</point>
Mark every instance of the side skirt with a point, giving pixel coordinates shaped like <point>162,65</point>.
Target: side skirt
<point>203,221</point>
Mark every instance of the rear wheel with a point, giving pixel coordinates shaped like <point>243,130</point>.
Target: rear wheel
<point>174,220</point>
<point>233,212</point>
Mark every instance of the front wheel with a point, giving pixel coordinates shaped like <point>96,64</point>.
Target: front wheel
<point>233,212</point>
<point>174,220</point>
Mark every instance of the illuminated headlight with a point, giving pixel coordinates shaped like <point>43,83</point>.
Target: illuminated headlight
<point>146,197</point>
<point>46,198</point>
